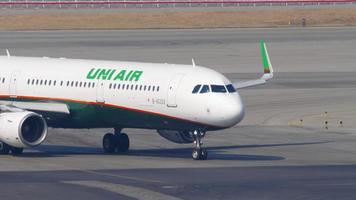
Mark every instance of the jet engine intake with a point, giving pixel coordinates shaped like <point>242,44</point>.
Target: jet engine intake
<point>22,129</point>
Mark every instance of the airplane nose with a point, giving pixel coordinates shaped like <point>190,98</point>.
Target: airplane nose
<point>234,111</point>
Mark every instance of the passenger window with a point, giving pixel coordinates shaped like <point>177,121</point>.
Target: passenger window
<point>118,86</point>
<point>93,85</point>
<point>157,88</point>
<point>41,82</point>
<point>149,88</point>
<point>80,84</point>
<point>49,82</point>
<point>144,88</point>
<point>84,84</point>
<point>28,81</point>
<point>110,86</point>
<point>54,83</point>
<point>196,89</point>
<point>33,81</point>
<point>153,88</point>
<point>132,87</point>
<point>218,88</point>
<point>140,87</point>
<point>230,88</point>
<point>136,87</point>
<point>127,86</point>
<point>205,89</point>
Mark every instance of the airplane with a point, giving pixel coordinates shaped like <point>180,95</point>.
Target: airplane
<point>181,102</point>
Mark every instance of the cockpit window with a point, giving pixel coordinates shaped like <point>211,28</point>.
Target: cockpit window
<point>230,88</point>
<point>218,88</point>
<point>205,89</point>
<point>196,89</point>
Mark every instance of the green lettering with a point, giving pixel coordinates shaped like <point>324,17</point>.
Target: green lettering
<point>120,76</point>
<point>136,75</point>
<point>128,75</point>
<point>108,74</point>
<point>111,73</point>
<point>92,74</point>
<point>103,74</point>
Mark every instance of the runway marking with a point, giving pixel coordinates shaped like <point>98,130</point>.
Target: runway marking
<point>100,173</point>
<point>121,176</point>
<point>170,186</point>
<point>130,191</point>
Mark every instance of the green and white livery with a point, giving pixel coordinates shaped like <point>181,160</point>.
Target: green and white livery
<point>181,102</point>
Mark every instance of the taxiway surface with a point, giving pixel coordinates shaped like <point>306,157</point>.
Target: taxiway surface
<point>282,149</point>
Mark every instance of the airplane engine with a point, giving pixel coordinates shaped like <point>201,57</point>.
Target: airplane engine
<point>22,129</point>
<point>177,136</point>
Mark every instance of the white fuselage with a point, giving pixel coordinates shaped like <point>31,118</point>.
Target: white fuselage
<point>163,90</point>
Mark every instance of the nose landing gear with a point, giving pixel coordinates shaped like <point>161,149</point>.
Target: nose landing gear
<point>116,143</point>
<point>198,152</point>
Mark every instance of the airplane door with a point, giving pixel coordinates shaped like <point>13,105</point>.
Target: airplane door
<point>13,84</point>
<point>100,92</point>
<point>172,90</point>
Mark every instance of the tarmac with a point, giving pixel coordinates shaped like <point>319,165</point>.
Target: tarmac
<point>283,149</point>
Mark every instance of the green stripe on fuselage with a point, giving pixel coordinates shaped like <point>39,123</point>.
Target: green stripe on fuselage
<point>83,115</point>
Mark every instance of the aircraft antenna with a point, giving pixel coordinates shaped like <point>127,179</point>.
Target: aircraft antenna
<point>8,53</point>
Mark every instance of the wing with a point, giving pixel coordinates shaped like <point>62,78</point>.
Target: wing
<point>268,71</point>
<point>51,111</point>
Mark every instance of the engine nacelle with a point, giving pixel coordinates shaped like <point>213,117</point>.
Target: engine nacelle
<point>177,136</point>
<point>22,129</point>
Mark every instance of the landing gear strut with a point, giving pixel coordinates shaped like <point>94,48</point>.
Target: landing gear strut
<point>198,152</point>
<point>118,142</point>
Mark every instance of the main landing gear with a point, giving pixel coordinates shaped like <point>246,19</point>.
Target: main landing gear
<point>198,152</point>
<point>118,142</point>
<point>6,149</point>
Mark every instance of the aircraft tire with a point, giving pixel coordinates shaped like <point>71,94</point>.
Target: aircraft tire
<point>109,143</point>
<point>199,154</point>
<point>196,154</point>
<point>204,155</point>
<point>123,143</point>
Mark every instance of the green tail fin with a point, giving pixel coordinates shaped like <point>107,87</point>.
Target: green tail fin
<point>267,67</point>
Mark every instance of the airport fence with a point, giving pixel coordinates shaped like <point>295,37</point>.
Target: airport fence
<point>59,4</point>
